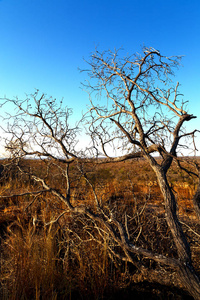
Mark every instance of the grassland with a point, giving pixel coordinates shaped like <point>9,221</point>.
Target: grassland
<point>69,259</point>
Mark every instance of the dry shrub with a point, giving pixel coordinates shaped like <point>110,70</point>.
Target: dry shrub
<point>55,261</point>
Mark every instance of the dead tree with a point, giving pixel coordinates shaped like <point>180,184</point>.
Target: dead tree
<point>137,111</point>
<point>141,111</point>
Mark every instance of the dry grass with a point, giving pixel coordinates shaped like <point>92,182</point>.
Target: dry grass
<point>71,259</point>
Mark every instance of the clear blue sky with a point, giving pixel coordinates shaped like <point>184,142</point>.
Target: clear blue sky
<point>43,42</point>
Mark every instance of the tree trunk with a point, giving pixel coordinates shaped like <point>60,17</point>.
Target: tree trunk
<point>180,240</point>
<point>196,200</point>
<point>190,280</point>
<point>188,276</point>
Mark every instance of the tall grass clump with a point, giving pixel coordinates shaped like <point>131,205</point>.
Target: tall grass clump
<point>29,263</point>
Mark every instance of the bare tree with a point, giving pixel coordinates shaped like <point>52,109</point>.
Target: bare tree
<point>138,111</point>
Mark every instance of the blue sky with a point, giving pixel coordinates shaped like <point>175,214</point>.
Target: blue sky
<point>43,42</point>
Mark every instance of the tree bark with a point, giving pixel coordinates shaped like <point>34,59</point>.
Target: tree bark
<point>190,280</point>
<point>186,271</point>
<point>196,200</point>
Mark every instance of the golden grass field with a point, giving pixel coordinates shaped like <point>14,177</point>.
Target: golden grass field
<point>44,260</point>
